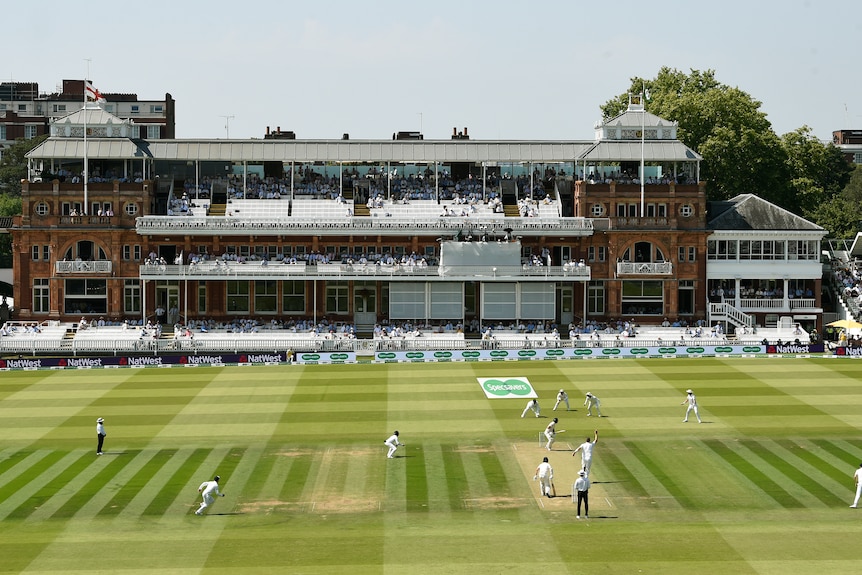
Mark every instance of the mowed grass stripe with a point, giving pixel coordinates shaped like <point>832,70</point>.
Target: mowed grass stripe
<point>180,479</point>
<point>623,471</point>
<point>51,487</point>
<point>804,451</point>
<point>790,471</point>
<point>149,464</point>
<point>833,448</point>
<point>29,469</point>
<point>456,476</point>
<point>18,463</point>
<point>753,474</point>
<point>46,486</point>
<point>417,481</point>
<point>298,475</point>
<point>173,459</point>
<point>659,472</point>
<point>435,476</point>
<point>101,471</point>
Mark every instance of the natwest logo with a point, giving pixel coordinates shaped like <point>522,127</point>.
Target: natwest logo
<point>146,360</point>
<point>20,363</point>
<point>83,362</point>
<point>202,359</point>
<point>263,358</point>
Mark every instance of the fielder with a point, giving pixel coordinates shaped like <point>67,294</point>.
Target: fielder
<point>545,475</point>
<point>534,405</point>
<point>562,397</point>
<point>858,478</point>
<point>551,433</point>
<point>591,402</point>
<point>691,400</point>
<point>393,444</point>
<point>586,449</point>
<point>209,491</point>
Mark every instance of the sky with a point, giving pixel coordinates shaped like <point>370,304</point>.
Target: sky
<point>537,70</point>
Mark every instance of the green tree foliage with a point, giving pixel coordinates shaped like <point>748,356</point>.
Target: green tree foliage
<point>818,171</point>
<point>9,206</point>
<point>741,152</point>
<point>13,164</point>
<point>842,214</point>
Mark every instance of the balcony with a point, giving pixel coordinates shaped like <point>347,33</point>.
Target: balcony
<point>81,267</point>
<point>392,226</point>
<point>644,268</point>
<point>274,270</point>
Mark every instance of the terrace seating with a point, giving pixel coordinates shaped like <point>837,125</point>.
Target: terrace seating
<point>321,209</point>
<point>96,338</point>
<point>255,209</point>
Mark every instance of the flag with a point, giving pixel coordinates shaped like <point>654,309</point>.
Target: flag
<point>92,94</point>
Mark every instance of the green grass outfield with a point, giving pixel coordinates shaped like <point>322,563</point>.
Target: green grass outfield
<point>762,486</point>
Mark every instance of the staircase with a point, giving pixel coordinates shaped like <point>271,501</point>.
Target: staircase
<point>217,209</point>
<point>724,312</point>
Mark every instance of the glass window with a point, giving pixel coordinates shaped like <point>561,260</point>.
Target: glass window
<point>42,208</point>
<point>41,296</point>
<point>266,296</point>
<point>596,298</point>
<point>154,132</point>
<point>34,251</point>
<point>337,298</point>
<point>130,208</point>
<point>237,297</point>
<point>137,253</point>
<point>86,296</point>
<point>643,297</point>
<point>202,298</point>
<point>692,253</point>
<point>681,253</point>
<point>127,252</point>
<point>132,297</point>
<point>31,131</point>
<point>293,296</point>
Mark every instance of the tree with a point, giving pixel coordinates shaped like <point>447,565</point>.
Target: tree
<point>9,206</point>
<point>741,152</point>
<point>818,171</point>
<point>13,164</point>
<point>842,214</point>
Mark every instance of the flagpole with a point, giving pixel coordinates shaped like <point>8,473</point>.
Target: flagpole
<point>643,130</point>
<point>86,166</point>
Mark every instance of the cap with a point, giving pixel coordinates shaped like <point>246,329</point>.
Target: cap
<point>556,420</point>
<point>396,432</point>
<point>216,478</point>
<point>100,420</point>
<point>561,391</point>
<point>589,394</point>
<point>689,391</point>
<point>544,460</point>
<point>581,472</point>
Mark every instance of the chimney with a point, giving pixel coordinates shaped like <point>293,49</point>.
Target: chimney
<point>465,130</point>
<point>267,130</point>
<point>454,131</point>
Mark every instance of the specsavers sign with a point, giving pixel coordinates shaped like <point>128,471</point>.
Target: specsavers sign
<point>506,387</point>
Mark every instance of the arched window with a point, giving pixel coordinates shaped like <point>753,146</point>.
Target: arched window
<point>643,252</point>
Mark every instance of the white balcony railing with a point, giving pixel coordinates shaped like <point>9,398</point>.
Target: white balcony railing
<point>644,268</point>
<point>82,267</point>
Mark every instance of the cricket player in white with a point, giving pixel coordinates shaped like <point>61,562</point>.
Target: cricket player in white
<point>562,397</point>
<point>592,401</point>
<point>858,478</point>
<point>209,491</point>
<point>545,475</point>
<point>534,405</point>
<point>586,449</point>
<point>691,400</point>
<point>551,433</point>
<point>393,444</point>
